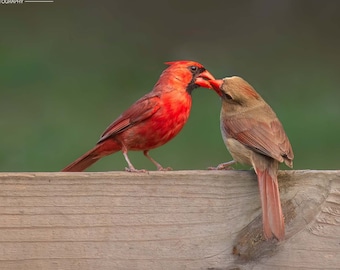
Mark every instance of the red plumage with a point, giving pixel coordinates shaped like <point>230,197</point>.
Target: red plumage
<point>154,119</point>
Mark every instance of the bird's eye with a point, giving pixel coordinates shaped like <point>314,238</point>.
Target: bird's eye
<point>227,96</point>
<point>193,68</point>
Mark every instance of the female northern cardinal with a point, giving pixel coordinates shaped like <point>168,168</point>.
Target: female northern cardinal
<point>254,135</point>
<point>153,120</point>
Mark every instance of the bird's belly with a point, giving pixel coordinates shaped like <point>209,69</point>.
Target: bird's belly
<point>154,132</point>
<point>238,151</point>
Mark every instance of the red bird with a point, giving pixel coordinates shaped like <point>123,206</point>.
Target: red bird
<point>153,120</point>
<point>254,135</point>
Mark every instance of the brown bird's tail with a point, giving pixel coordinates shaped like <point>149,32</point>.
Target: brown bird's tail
<point>92,156</point>
<point>273,220</point>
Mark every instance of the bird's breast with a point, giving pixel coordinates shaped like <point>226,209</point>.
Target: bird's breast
<point>162,126</point>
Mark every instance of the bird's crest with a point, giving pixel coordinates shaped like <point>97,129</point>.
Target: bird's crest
<point>182,62</point>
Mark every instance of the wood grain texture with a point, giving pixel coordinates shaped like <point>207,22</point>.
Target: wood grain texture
<point>165,220</point>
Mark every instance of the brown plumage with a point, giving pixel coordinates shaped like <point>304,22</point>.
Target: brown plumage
<point>254,135</point>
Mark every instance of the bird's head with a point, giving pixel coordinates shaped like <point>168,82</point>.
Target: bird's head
<point>190,74</point>
<point>235,90</point>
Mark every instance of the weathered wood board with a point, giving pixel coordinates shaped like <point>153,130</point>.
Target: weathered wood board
<point>165,220</point>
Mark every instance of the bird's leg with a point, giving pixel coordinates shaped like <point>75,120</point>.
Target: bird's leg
<point>223,166</point>
<point>131,167</point>
<point>159,166</point>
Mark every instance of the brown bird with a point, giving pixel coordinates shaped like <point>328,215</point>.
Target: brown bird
<point>153,120</point>
<point>254,135</point>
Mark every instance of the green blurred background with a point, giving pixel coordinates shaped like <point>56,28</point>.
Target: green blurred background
<point>68,69</point>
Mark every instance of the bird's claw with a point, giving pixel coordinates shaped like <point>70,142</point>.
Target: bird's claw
<point>164,169</point>
<point>221,167</point>
<point>224,166</point>
<point>135,170</point>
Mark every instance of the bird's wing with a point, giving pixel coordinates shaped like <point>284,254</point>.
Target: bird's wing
<point>138,112</point>
<point>268,139</point>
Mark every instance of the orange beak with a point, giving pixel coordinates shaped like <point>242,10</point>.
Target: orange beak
<point>216,85</point>
<point>203,79</point>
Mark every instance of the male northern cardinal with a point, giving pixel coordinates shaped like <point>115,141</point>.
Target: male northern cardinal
<point>153,120</point>
<point>254,135</point>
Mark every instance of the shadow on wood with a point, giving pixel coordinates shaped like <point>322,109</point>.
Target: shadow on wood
<point>165,220</point>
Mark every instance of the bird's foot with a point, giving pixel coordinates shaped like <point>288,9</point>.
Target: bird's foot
<point>164,169</point>
<point>135,170</point>
<point>223,166</point>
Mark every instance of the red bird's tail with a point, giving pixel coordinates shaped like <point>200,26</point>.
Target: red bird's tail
<point>103,149</point>
<point>85,161</point>
<point>273,220</point>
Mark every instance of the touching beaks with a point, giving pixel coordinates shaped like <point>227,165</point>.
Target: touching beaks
<point>203,79</point>
<point>216,85</point>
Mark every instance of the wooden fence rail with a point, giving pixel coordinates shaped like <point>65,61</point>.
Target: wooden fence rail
<point>165,220</point>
